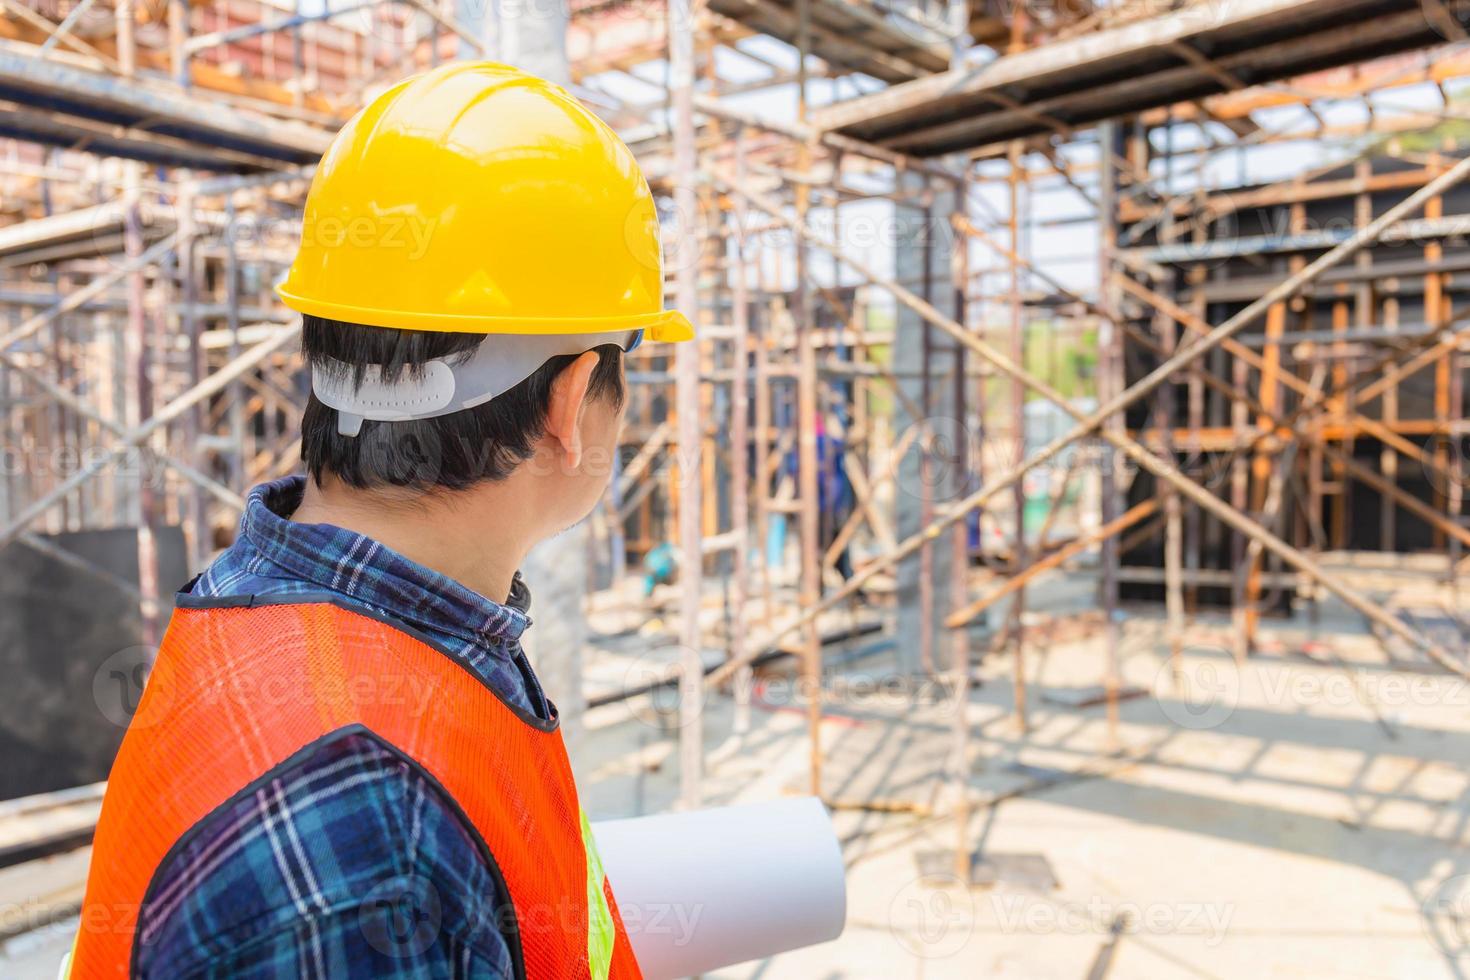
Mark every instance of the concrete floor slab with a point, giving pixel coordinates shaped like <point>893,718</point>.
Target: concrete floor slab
<point>1292,816</point>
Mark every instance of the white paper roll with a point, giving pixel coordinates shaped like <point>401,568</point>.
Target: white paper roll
<point>711,888</point>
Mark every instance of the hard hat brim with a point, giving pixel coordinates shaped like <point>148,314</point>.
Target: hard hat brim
<point>667,326</point>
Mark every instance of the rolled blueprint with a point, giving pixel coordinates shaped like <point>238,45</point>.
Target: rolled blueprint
<point>711,888</point>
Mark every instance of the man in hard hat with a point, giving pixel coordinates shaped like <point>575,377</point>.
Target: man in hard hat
<point>343,765</point>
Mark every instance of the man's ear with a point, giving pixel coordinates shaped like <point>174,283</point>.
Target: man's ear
<point>568,402</point>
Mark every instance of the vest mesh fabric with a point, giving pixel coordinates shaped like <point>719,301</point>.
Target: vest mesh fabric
<point>236,691</point>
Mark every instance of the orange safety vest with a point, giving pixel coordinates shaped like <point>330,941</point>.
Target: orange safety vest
<point>240,685</point>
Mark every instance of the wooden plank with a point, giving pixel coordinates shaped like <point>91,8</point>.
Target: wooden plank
<point>1128,69</point>
<point>67,90</point>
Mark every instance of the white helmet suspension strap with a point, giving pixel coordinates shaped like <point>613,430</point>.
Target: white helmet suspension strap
<point>444,386</point>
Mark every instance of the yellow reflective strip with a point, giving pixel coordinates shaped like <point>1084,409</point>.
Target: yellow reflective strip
<point>601,934</point>
<point>66,961</point>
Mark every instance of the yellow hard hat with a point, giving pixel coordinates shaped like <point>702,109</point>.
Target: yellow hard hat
<point>476,198</point>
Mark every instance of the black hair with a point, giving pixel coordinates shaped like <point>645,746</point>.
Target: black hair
<point>453,452</point>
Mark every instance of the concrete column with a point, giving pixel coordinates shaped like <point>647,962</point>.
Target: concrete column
<point>480,18</point>
<point>531,35</point>
<point>922,252</point>
<point>556,572</point>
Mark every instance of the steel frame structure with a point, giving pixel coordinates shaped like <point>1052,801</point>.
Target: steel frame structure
<point>138,322</point>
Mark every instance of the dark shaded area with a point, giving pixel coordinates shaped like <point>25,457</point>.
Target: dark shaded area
<point>1371,308</point>
<point>71,654</point>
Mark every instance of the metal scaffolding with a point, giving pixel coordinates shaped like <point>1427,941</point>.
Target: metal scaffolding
<point>1215,385</point>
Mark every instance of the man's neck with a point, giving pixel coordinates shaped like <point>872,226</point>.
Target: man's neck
<point>447,533</point>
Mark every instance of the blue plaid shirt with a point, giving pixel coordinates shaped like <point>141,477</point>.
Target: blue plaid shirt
<point>345,862</point>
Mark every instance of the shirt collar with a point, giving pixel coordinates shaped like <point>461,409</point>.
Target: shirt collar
<point>355,565</point>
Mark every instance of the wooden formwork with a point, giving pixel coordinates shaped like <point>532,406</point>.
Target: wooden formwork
<point>1338,418</point>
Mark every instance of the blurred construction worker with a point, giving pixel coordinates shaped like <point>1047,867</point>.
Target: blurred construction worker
<point>834,494</point>
<point>343,765</point>
<point>659,567</point>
